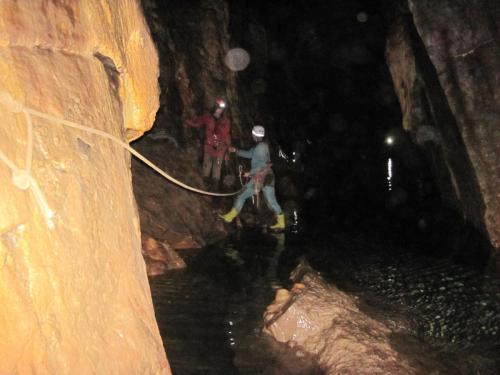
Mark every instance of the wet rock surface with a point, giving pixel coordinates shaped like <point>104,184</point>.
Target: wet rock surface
<point>448,304</point>
<point>327,323</point>
<point>159,257</point>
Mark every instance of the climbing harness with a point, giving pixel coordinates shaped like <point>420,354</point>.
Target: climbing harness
<point>23,179</point>
<point>240,174</point>
<point>259,180</point>
<point>260,177</point>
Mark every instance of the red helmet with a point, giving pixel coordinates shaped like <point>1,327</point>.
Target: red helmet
<point>220,103</point>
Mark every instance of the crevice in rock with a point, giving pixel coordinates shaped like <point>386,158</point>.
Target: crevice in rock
<point>111,71</point>
<point>84,147</point>
<point>452,151</point>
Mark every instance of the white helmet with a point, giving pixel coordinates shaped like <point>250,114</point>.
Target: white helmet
<point>258,131</point>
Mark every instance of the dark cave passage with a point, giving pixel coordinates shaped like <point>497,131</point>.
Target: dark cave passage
<point>323,86</point>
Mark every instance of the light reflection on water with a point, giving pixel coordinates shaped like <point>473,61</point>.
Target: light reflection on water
<point>452,305</point>
<point>389,174</point>
<point>294,225</point>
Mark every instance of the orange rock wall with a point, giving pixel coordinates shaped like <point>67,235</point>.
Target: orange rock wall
<point>75,298</point>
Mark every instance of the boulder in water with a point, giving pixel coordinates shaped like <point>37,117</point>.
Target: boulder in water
<point>328,324</point>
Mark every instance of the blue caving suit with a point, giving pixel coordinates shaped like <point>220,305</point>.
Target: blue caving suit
<point>260,161</point>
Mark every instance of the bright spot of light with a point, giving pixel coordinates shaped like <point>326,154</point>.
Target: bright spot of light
<point>237,59</point>
<point>389,174</point>
<point>362,17</point>
<point>389,140</point>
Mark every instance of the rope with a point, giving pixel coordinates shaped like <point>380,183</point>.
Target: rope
<point>127,147</point>
<point>22,178</point>
<point>29,143</point>
<point>240,174</point>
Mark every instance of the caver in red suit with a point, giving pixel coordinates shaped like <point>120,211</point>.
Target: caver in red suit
<point>217,140</point>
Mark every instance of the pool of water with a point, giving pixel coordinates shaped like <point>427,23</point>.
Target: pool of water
<point>451,303</point>
<point>210,313</point>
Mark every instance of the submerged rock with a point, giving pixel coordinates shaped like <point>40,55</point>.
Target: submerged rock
<point>327,323</point>
<point>159,256</point>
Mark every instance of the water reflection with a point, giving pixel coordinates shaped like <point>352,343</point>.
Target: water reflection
<point>293,226</point>
<point>210,314</point>
<point>389,174</point>
<point>451,304</point>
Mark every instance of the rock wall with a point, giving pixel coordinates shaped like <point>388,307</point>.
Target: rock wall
<point>168,213</point>
<point>192,39</point>
<point>73,285</point>
<point>445,61</point>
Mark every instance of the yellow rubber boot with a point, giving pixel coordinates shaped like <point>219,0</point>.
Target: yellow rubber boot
<point>280,222</point>
<point>229,217</point>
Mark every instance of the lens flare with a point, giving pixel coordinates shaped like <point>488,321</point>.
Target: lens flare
<point>237,59</point>
<point>362,17</point>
